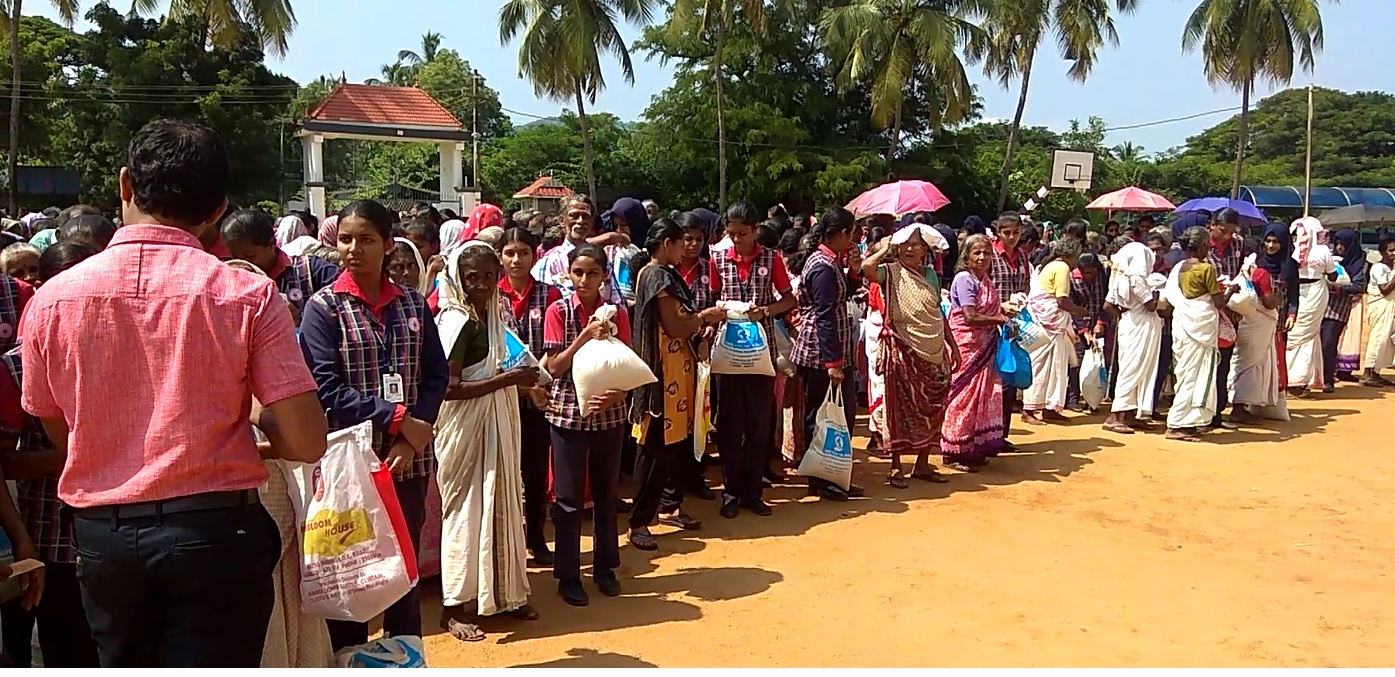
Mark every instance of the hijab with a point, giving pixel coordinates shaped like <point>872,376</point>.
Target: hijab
<point>632,212</point>
<point>289,228</point>
<point>1280,266</point>
<point>1354,257</point>
<point>329,231</point>
<point>484,216</point>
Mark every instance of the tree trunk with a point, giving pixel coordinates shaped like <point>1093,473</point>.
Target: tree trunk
<point>1240,144</point>
<point>14,109</point>
<point>586,143</point>
<point>721,114</point>
<point>895,136</point>
<point>1013,132</point>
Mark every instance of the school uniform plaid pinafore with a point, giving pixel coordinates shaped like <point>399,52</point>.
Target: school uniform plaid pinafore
<point>1227,264</point>
<point>370,348</point>
<point>805,351</point>
<point>1009,279</point>
<point>757,290</point>
<point>9,312</point>
<point>565,409</point>
<point>37,499</point>
<point>296,282</point>
<point>529,327</point>
<point>701,286</point>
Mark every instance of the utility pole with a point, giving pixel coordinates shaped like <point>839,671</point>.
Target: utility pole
<point>1308,161</point>
<point>475,128</point>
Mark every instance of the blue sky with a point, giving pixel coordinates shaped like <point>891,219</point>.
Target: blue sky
<point>1145,79</point>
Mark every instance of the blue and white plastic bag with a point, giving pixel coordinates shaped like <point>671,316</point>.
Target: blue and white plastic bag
<point>741,346</point>
<point>829,456</point>
<point>517,354</point>
<point>403,651</point>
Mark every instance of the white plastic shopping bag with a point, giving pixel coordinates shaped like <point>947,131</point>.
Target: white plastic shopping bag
<point>606,364</point>
<point>702,427</point>
<point>1094,377</point>
<point>1343,279</point>
<point>353,565</point>
<point>741,346</point>
<point>829,456</point>
<point>1246,301</point>
<point>402,651</point>
<point>517,354</point>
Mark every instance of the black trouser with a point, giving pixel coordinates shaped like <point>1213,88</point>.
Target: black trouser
<point>177,589</point>
<point>662,472</point>
<point>404,616</point>
<point>1330,335</point>
<point>1164,364</point>
<point>745,421</point>
<point>576,456</point>
<point>1009,401</point>
<point>813,387</point>
<point>535,442</point>
<point>1222,387</point>
<point>65,640</point>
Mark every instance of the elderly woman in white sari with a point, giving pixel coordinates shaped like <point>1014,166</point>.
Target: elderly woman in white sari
<point>1139,337</point>
<point>1304,347</point>
<point>1051,307</point>
<point>1195,296</point>
<point>483,555</point>
<point>1380,311</point>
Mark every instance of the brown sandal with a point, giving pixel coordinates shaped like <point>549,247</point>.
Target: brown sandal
<point>1118,428</point>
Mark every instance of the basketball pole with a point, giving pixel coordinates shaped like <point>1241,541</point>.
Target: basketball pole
<point>1308,160</point>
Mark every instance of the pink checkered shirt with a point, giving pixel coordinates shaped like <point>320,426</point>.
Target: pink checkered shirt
<point>151,351</point>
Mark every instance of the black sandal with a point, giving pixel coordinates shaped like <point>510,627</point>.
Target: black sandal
<point>681,520</point>
<point>524,613</point>
<point>960,467</point>
<point>643,540</point>
<point>896,480</point>
<point>932,476</point>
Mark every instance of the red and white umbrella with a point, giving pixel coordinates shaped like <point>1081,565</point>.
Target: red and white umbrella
<point>1133,199</point>
<point>900,197</point>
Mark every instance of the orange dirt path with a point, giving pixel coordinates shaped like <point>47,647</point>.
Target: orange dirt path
<point>1090,549</point>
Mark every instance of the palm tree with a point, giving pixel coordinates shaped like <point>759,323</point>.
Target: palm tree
<point>1128,151</point>
<point>891,44</point>
<point>67,11</point>
<point>396,74</point>
<point>1016,27</point>
<point>1243,41</point>
<point>717,16</point>
<point>430,47</point>
<point>273,21</point>
<point>560,50</point>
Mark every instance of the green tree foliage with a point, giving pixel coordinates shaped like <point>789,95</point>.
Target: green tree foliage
<point>127,71</point>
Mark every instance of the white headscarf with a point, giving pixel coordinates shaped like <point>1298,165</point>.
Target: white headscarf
<point>300,245</point>
<point>450,234</point>
<point>1305,232</point>
<point>1132,264</point>
<point>423,284</point>
<point>289,228</point>
<point>930,236</point>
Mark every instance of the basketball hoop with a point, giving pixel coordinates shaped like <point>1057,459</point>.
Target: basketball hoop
<point>1072,170</point>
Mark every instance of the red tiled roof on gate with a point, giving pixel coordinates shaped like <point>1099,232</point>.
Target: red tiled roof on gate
<point>381,105</point>
<point>544,187</point>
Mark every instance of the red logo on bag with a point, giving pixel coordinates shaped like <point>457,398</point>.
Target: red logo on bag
<point>318,484</point>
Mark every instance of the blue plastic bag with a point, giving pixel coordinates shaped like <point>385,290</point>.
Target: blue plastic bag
<point>404,651</point>
<point>1013,363</point>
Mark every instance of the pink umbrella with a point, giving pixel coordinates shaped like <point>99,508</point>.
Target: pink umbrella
<point>901,197</point>
<point>1131,199</point>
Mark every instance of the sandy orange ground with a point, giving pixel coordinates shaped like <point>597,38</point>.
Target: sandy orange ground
<point>1090,549</point>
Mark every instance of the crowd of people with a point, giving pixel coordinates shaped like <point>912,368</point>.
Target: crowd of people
<point>164,525</point>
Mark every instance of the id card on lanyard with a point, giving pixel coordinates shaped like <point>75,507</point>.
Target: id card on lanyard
<point>394,386</point>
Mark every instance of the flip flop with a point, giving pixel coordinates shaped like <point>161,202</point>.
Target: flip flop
<point>932,477</point>
<point>1118,428</point>
<point>896,481</point>
<point>682,521</point>
<point>643,541</point>
<point>465,632</point>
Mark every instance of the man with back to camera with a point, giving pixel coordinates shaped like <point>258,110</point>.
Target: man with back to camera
<point>174,550</point>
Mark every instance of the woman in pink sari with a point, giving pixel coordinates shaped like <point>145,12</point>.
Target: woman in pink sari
<point>973,427</point>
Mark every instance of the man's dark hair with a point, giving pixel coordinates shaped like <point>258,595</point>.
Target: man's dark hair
<point>178,171</point>
<point>1077,228</point>
<point>75,211</point>
<point>253,226</point>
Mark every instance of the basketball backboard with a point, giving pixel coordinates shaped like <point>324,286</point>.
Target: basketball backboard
<point>1072,169</point>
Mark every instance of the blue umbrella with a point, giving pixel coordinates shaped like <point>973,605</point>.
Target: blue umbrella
<point>1250,215</point>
